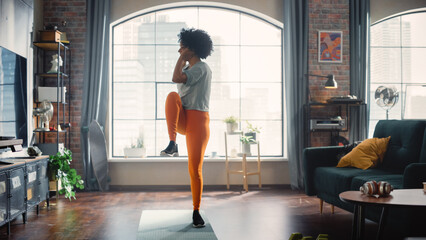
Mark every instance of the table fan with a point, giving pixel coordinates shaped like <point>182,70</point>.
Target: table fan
<point>386,98</point>
<point>45,114</point>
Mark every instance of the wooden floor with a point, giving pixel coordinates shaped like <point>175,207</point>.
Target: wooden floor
<point>269,213</point>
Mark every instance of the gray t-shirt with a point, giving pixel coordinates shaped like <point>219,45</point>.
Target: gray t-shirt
<point>195,93</point>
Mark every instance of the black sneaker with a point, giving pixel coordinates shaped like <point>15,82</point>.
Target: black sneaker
<point>171,150</point>
<point>197,220</point>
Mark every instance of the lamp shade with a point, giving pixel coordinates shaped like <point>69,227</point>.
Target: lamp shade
<point>331,82</point>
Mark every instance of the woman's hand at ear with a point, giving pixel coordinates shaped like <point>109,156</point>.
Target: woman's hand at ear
<point>178,75</point>
<point>186,54</point>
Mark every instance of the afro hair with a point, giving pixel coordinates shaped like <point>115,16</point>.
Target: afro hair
<point>196,40</point>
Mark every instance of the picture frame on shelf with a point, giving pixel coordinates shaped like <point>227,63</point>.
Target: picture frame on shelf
<point>330,46</point>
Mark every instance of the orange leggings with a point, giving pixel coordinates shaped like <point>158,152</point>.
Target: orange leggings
<point>195,125</point>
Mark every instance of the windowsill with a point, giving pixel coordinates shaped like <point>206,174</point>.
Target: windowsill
<point>185,159</point>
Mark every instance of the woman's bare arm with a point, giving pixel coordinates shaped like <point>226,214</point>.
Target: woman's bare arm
<point>178,75</point>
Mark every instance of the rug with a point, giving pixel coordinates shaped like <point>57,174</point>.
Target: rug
<point>172,224</point>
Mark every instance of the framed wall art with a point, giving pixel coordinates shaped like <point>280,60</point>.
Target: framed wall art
<point>330,46</point>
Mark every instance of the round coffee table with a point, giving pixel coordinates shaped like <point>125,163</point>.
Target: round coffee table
<point>397,198</point>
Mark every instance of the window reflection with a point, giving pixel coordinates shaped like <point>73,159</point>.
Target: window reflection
<point>413,30</point>
<point>224,63</point>
<point>385,65</point>
<point>223,25</point>
<point>255,32</point>
<point>170,22</point>
<point>134,63</point>
<point>260,64</point>
<point>415,100</point>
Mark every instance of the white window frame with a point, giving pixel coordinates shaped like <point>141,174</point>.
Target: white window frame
<point>401,84</point>
<point>224,6</point>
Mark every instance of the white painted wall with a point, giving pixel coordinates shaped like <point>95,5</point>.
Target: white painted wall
<point>384,8</point>
<point>16,18</point>
<point>271,8</point>
<point>38,19</point>
<point>176,173</point>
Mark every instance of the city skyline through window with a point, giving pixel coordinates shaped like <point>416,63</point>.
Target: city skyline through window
<point>247,77</point>
<point>398,50</point>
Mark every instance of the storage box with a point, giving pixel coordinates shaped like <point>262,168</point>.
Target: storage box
<point>50,36</point>
<point>50,93</point>
<point>50,148</point>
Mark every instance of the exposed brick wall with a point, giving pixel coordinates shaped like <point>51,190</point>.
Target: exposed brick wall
<point>74,13</point>
<point>330,15</point>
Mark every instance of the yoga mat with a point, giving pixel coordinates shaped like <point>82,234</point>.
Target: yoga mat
<point>172,224</point>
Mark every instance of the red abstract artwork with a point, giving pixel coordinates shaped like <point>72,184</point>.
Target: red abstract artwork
<point>330,46</point>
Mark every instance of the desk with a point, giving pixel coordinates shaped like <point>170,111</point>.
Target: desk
<point>342,109</point>
<point>397,198</point>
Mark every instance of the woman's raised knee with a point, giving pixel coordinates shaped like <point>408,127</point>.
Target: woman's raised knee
<point>173,95</point>
<point>172,98</point>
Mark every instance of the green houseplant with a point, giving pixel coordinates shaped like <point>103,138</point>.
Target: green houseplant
<point>136,149</point>
<point>252,130</point>
<point>139,143</point>
<point>246,141</point>
<point>59,169</point>
<point>231,124</point>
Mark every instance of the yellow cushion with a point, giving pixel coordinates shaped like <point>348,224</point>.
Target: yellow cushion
<point>367,154</point>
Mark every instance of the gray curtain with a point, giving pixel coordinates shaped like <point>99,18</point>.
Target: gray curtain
<point>359,66</point>
<point>296,66</point>
<point>95,89</point>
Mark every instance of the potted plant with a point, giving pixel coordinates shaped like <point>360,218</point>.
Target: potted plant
<point>59,169</point>
<point>246,141</point>
<point>252,130</point>
<point>231,124</point>
<point>136,150</point>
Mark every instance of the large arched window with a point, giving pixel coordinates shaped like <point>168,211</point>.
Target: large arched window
<point>247,76</point>
<point>398,56</point>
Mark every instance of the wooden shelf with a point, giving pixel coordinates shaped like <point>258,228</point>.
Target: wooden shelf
<point>51,46</point>
<point>235,133</point>
<point>51,75</point>
<point>54,102</point>
<point>335,103</point>
<point>54,131</point>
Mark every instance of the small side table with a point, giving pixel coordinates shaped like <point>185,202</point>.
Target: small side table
<point>244,171</point>
<point>397,198</point>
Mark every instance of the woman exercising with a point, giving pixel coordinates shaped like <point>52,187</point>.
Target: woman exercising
<point>187,111</point>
